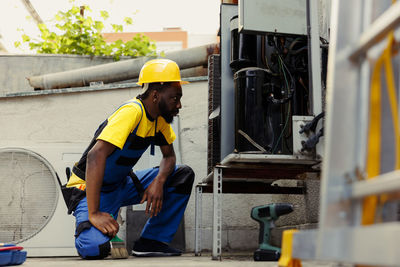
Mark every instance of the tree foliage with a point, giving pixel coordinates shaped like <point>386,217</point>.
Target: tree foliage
<point>82,35</point>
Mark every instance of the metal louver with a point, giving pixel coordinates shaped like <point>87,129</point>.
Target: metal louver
<point>214,103</point>
<point>28,194</point>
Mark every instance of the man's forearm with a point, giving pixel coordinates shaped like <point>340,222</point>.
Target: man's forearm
<point>94,181</point>
<point>167,166</point>
<point>95,165</point>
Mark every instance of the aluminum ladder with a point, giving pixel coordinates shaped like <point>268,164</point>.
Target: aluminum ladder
<point>345,234</point>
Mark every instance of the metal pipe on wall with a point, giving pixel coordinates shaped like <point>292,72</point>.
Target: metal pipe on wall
<point>120,71</point>
<point>194,72</point>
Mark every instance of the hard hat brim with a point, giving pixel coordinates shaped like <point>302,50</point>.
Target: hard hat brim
<point>181,82</point>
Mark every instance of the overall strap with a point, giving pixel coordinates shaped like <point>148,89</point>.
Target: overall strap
<point>141,108</point>
<point>155,128</point>
<point>152,141</point>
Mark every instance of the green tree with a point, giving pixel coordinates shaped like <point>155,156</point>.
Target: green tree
<point>82,35</point>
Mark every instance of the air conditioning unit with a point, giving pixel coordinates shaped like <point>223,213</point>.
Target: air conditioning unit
<point>32,210</point>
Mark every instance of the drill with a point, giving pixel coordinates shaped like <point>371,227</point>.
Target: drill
<point>265,215</point>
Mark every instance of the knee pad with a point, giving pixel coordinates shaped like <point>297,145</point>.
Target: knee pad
<point>182,180</point>
<point>90,243</point>
<point>104,251</point>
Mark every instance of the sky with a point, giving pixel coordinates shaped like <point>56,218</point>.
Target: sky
<point>194,16</point>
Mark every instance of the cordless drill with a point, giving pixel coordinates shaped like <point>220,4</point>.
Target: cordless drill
<point>265,215</point>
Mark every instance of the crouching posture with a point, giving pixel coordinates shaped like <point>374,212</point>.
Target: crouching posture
<point>103,181</point>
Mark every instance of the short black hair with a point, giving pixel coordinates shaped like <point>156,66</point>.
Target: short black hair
<point>159,87</point>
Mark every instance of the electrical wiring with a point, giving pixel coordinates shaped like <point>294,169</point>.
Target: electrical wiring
<point>283,130</point>
<point>290,92</point>
<point>287,89</point>
<point>281,63</point>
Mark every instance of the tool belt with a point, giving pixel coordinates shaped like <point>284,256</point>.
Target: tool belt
<point>78,172</point>
<point>72,195</point>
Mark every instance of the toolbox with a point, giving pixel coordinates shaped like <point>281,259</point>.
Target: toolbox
<point>11,254</point>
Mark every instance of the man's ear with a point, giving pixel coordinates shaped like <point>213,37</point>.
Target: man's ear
<point>155,95</point>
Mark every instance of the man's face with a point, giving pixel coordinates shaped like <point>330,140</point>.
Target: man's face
<point>170,102</point>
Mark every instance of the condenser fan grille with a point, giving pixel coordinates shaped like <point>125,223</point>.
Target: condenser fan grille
<point>28,194</point>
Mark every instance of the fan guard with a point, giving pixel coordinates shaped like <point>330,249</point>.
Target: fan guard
<point>28,194</point>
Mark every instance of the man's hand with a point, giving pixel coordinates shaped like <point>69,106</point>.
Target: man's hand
<point>154,193</point>
<point>154,196</point>
<point>105,223</point>
<point>96,161</point>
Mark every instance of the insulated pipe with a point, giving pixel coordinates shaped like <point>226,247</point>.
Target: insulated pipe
<point>194,72</point>
<point>120,71</point>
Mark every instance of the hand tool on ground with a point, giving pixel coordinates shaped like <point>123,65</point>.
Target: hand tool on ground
<point>265,215</point>
<point>118,247</point>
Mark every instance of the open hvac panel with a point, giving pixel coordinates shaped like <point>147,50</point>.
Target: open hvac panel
<point>33,213</point>
<point>269,93</point>
<point>266,90</point>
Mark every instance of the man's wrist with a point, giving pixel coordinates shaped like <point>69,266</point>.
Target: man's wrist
<point>161,179</point>
<point>93,213</point>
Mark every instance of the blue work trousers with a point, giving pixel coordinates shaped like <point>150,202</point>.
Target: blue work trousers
<point>92,243</point>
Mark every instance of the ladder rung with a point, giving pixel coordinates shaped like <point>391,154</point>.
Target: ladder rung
<point>376,245</point>
<point>385,183</point>
<point>378,30</point>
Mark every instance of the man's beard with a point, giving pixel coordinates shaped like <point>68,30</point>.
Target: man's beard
<point>165,113</point>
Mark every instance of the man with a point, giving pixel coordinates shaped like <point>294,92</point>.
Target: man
<point>105,173</point>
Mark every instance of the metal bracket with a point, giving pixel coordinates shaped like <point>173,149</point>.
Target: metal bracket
<point>217,216</point>
<point>197,220</point>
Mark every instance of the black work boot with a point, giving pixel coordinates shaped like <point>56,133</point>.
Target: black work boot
<point>152,248</point>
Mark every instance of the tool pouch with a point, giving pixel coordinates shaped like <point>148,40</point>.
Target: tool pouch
<point>72,197</point>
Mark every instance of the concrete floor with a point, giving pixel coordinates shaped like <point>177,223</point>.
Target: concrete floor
<point>187,260</point>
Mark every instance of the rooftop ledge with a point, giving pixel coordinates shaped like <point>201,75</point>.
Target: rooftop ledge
<point>86,88</point>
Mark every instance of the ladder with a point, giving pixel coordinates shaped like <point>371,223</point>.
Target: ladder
<point>362,143</point>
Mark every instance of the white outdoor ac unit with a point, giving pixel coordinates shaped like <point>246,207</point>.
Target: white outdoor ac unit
<point>32,210</point>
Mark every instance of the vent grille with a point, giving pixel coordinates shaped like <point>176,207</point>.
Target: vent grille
<point>214,101</point>
<point>28,194</point>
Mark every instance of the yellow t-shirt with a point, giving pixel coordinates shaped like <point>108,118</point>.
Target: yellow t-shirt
<point>125,119</point>
<point>119,129</point>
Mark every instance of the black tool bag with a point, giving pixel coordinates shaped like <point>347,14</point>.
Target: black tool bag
<point>72,195</point>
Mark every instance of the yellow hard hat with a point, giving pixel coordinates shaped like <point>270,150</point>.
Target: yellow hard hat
<point>160,70</point>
